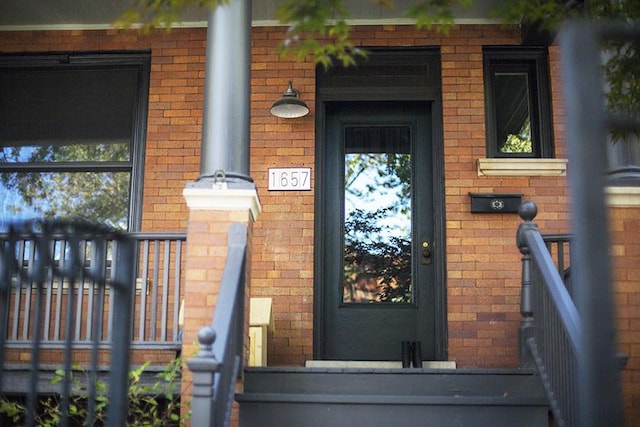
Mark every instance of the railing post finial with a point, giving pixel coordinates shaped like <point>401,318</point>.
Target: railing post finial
<point>528,210</point>
<point>203,367</point>
<point>206,337</point>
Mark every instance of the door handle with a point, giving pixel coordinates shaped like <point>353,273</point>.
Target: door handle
<point>426,253</point>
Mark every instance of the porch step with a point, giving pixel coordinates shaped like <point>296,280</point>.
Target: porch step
<point>375,364</point>
<point>353,397</point>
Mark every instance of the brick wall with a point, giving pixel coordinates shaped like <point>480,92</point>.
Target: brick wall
<point>482,261</point>
<point>483,264</point>
<point>175,106</point>
<point>283,235</point>
<point>625,229</point>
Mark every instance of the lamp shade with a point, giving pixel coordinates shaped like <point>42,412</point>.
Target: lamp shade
<point>290,106</point>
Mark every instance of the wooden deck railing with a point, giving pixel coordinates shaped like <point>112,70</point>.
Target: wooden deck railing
<point>157,296</point>
<point>159,290</point>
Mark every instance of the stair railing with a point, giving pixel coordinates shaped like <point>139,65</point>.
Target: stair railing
<point>559,246</point>
<point>216,366</point>
<point>550,334</point>
<point>573,345</point>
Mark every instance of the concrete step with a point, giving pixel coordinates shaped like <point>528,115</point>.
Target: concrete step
<point>375,364</point>
<point>352,397</point>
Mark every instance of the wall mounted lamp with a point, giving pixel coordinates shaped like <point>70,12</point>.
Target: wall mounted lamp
<point>290,106</point>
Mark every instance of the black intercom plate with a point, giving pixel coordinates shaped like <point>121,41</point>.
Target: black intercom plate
<point>495,203</point>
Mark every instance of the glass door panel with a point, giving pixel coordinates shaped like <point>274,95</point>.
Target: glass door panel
<point>377,215</point>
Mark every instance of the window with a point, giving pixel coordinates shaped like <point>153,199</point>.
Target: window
<point>518,111</point>
<point>72,132</point>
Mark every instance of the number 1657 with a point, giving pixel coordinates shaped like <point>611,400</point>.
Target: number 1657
<point>290,179</point>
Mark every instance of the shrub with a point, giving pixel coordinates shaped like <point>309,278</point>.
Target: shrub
<point>150,405</point>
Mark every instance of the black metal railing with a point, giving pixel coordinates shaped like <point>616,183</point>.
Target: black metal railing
<point>559,247</point>
<point>156,296</point>
<point>550,334</point>
<point>43,274</point>
<point>216,366</point>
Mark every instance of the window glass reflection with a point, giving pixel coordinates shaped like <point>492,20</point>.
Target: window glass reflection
<point>101,197</point>
<point>377,215</point>
<point>513,118</point>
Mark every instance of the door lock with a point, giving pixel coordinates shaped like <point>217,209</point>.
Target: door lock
<point>426,253</point>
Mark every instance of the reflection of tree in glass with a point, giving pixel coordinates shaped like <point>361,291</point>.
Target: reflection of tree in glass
<point>388,261</point>
<point>520,143</point>
<point>377,241</point>
<point>391,171</point>
<point>102,197</point>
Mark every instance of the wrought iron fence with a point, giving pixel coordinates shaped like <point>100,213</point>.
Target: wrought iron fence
<point>74,274</point>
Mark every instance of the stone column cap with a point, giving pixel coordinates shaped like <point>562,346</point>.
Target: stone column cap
<point>222,198</point>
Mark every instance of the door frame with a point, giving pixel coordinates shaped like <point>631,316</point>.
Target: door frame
<point>426,87</point>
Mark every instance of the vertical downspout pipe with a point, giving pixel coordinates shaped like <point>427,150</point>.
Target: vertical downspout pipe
<point>227,96</point>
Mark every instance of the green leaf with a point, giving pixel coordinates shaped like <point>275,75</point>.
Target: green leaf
<point>149,15</point>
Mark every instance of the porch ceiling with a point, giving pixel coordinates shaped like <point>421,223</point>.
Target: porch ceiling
<point>54,14</point>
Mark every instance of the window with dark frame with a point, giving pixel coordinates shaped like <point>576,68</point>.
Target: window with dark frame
<point>72,132</point>
<point>517,104</point>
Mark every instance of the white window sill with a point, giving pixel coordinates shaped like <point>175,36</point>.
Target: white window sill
<point>522,167</point>
<point>623,197</point>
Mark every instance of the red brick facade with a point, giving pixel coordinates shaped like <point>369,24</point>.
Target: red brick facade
<point>625,228</point>
<point>483,264</point>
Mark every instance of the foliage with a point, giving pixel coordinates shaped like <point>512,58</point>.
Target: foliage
<point>431,12</point>
<point>311,22</point>
<point>550,15</point>
<point>320,29</point>
<point>623,76</point>
<point>151,14</point>
<point>621,60</point>
<point>520,143</point>
<point>392,171</point>
<point>376,247</point>
<point>154,405</point>
<point>317,28</point>
<point>73,194</point>
<point>388,261</point>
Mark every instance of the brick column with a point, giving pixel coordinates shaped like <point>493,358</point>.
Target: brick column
<point>213,207</point>
<point>624,226</point>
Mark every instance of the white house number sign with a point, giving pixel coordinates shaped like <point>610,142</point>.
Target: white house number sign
<point>290,179</point>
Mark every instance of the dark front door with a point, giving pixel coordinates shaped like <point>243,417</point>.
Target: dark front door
<point>377,226</point>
